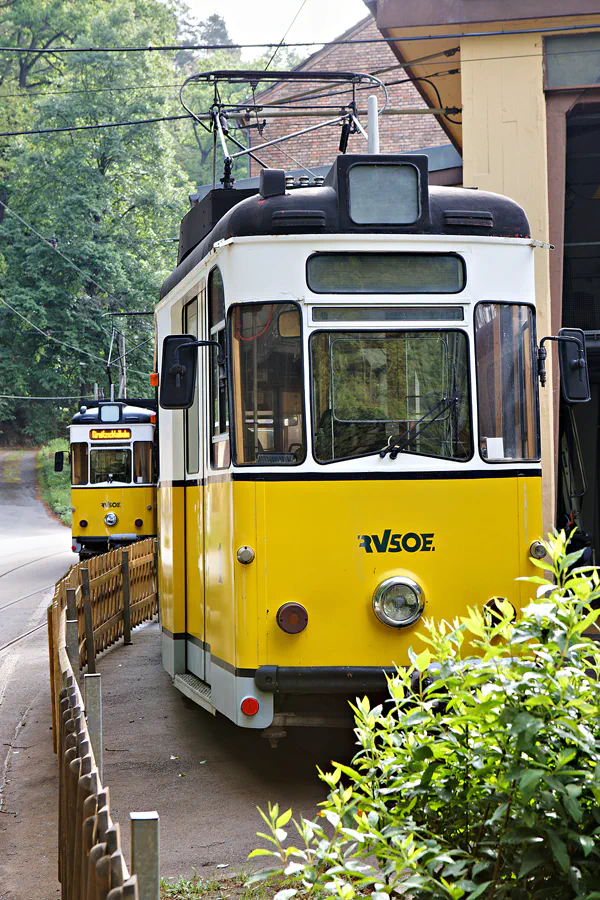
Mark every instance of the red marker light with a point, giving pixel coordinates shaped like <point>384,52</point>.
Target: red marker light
<point>292,618</point>
<point>249,706</point>
<point>154,379</point>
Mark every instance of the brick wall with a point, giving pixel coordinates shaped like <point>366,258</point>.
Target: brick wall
<point>397,133</point>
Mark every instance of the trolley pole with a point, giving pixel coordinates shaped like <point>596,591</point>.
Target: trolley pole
<point>123,367</point>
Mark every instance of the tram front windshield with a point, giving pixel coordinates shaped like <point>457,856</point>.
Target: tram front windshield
<point>108,464</point>
<point>411,387</point>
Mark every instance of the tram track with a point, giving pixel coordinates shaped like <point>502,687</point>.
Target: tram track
<point>27,596</point>
<point>31,562</point>
<point>22,636</point>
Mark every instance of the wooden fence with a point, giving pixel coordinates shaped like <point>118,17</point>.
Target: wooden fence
<point>95,604</point>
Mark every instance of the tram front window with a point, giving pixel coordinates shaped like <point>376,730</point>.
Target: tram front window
<point>410,386</point>
<point>108,464</point>
<point>266,342</point>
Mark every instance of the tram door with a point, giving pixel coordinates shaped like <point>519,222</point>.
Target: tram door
<point>194,508</point>
<point>579,445</point>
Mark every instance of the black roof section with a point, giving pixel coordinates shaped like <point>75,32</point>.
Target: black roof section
<point>132,410</point>
<point>323,209</point>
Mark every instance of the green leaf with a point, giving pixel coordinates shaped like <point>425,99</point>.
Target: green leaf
<point>565,756</point>
<point>284,818</point>
<point>573,808</point>
<point>529,782</point>
<point>531,859</point>
<point>559,850</point>
<point>422,663</point>
<point>479,890</point>
<point>587,843</point>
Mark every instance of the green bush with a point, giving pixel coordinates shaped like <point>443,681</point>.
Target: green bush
<point>55,487</point>
<point>480,777</point>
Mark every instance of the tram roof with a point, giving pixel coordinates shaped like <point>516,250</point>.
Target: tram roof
<point>323,209</point>
<point>130,411</point>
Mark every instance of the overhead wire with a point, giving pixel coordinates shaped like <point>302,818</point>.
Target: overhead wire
<point>69,262</point>
<point>289,28</point>
<point>82,272</point>
<point>16,397</point>
<point>51,337</point>
<point>92,127</point>
<point>150,48</point>
<point>134,89</point>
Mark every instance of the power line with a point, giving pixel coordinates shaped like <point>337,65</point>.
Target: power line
<point>64,343</point>
<point>150,48</point>
<point>132,88</point>
<point>14,397</point>
<point>48,243</point>
<point>289,28</point>
<point>92,127</point>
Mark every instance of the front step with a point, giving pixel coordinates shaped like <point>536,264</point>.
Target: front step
<point>196,689</point>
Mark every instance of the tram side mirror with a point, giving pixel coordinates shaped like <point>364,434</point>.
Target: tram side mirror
<point>59,460</point>
<point>574,372</point>
<point>572,358</point>
<point>178,372</point>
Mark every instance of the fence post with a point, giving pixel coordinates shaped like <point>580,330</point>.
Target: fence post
<point>126,600</point>
<point>145,853</point>
<point>71,603</point>
<point>92,693</point>
<point>89,621</point>
<point>72,637</point>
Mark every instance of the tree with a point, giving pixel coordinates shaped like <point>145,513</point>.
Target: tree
<point>111,198</point>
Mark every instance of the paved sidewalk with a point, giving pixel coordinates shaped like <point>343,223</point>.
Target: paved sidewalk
<point>206,796</point>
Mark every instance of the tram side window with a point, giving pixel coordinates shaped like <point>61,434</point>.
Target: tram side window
<point>506,382</point>
<point>79,463</point>
<point>108,464</point>
<point>266,342</point>
<point>220,455</point>
<point>142,462</point>
<point>192,415</point>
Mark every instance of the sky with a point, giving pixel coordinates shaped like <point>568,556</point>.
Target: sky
<point>252,21</point>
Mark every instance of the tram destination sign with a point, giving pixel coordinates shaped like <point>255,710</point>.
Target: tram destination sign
<point>110,434</point>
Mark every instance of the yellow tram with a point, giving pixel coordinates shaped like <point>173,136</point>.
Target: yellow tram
<point>349,432</point>
<point>113,475</point>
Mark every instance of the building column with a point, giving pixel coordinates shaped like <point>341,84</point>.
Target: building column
<point>504,150</point>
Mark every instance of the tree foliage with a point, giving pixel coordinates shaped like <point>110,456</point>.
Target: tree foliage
<point>481,776</point>
<point>109,199</point>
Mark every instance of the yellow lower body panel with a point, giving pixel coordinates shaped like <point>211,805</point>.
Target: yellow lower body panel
<point>91,504</point>
<point>329,544</point>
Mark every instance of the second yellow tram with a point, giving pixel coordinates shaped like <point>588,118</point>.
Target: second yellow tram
<point>113,475</point>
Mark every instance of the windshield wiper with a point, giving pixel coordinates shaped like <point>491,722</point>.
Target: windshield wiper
<point>399,442</point>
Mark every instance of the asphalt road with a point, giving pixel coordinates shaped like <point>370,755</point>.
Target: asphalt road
<point>203,775</point>
<point>35,551</point>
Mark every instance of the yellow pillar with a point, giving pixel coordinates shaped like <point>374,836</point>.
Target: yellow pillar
<point>504,150</point>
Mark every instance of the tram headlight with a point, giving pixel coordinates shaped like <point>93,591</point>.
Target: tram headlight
<point>497,609</point>
<point>398,602</point>
<point>110,518</point>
